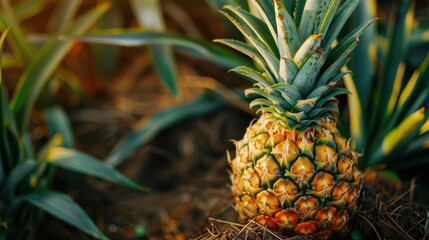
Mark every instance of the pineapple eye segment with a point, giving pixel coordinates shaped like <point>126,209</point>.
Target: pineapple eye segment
<point>266,221</point>
<point>268,169</point>
<point>267,203</point>
<point>306,206</point>
<point>326,157</point>
<point>340,220</point>
<point>301,171</point>
<point>325,215</point>
<point>322,184</point>
<point>249,205</point>
<point>286,218</point>
<point>286,191</point>
<point>305,228</point>
<point>251,181</point>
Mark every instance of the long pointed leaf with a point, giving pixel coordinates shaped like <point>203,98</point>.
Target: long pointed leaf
<point>288,37</point>
<point>46,61</point>
<point>80,162</point>
<point>201,49</point>
<point>157,123</point>
<point>58,123</point>
<point>19,42</point>
<point>338,22</point>
<point>149,15</point>
<point>64,208</point>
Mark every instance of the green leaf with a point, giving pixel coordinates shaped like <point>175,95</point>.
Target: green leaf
<point>64,208</point>
<point>149,15</point>
<point>398,134</point>
<point>364,57</point>
<point>338,22</point>
<point>80,162</point>
<point>67,10</point>
<point>16,176</point>
<point>347,44</point>
<point>288,70</point>
<point>269,57</point>
<point>44,64</point>
<point>28,8</point>
<point>305,78</point>
<point>252,74</point>
<point>19,41</point>
<point>158,122</point>
<point>400,24</point>
<point>312,17</point>
<point>58,123</point>
<point>198,48</point>
<point>357,121</point>
<point>307,49</point>
<point>266,13</point>
<point>245,49</point>
<point>288,38</point>
<point>256,27</point>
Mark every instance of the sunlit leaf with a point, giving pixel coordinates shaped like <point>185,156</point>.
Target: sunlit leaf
<point>80,162</point>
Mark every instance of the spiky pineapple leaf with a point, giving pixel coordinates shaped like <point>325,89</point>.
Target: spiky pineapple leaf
<point>256,27</point>
<point>268,56</point>
<point>306,76</point>
<point>312,17</point>
<point>266,13</point>
<point>327,18</point>
<point>307,49</point>
<point>64,208</point>
<point>272,97</point>
<point>347,44</point>
<point>344,13</point>
<point>288,38</point>
<point>288,70</point>
<point>252,74</point>
<point>335,67</point>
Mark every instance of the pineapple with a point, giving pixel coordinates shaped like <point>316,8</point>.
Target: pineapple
<point>293,171</point>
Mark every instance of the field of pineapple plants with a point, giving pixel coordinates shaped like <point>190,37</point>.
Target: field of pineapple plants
<point>215,119</point>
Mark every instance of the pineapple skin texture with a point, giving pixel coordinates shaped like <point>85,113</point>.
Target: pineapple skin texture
<point>299,183</point>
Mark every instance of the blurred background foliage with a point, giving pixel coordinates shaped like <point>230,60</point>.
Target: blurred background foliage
<point>102,78</point>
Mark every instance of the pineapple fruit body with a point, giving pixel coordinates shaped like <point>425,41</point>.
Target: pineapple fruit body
<point>304,183</point>
<point>293,171</point>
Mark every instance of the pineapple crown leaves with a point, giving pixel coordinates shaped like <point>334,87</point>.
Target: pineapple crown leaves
<point>299,61</point>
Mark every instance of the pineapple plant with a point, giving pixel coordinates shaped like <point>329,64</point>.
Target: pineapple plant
<point>293,171</point>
